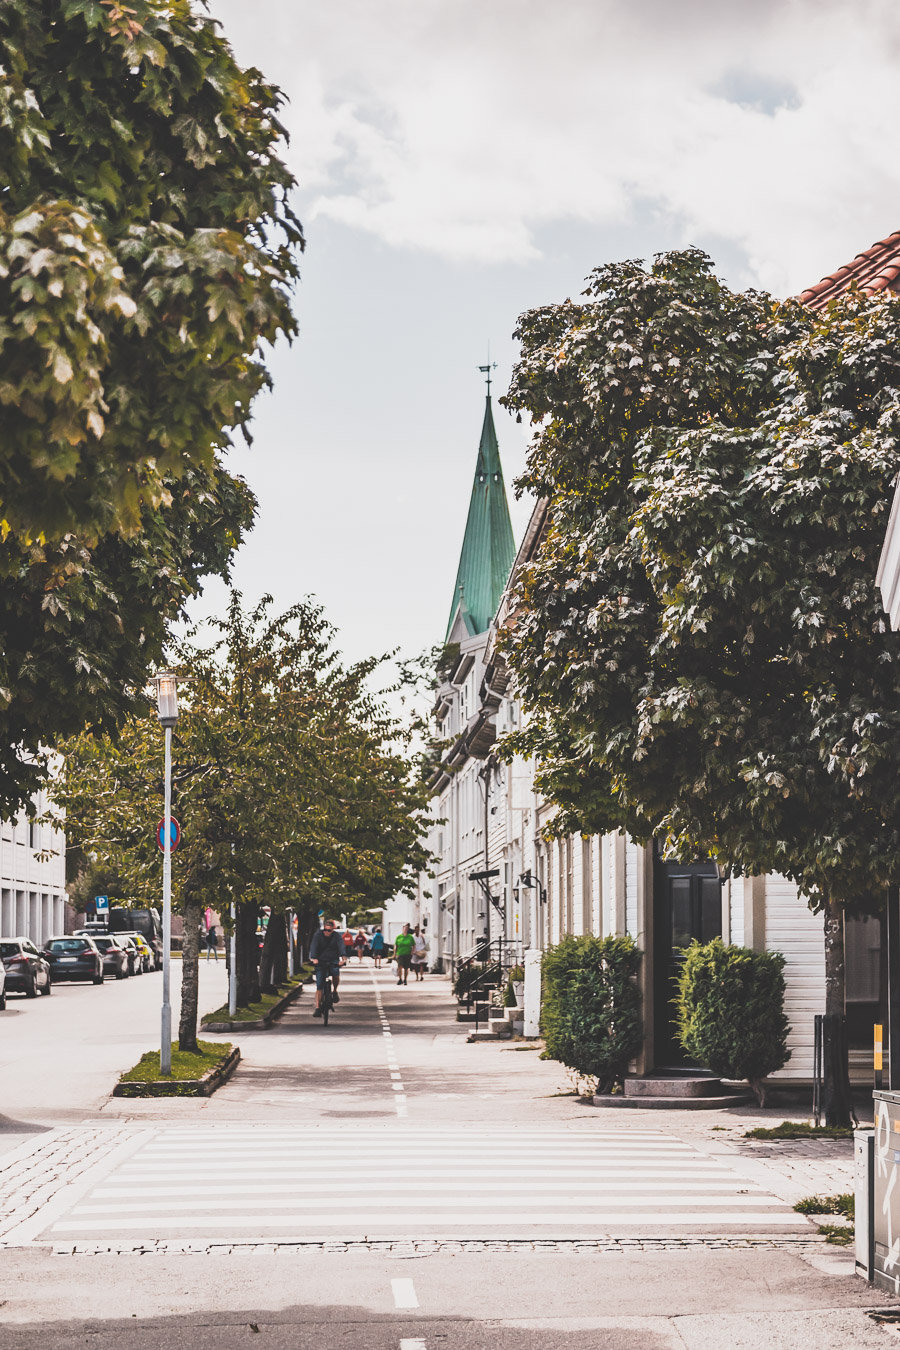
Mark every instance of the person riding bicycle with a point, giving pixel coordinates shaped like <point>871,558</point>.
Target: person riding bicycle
<point>326,951</point>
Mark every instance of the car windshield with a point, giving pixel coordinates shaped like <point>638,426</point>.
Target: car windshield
<point>9,949</point>
<point>68,945</point>
<point>103,943</point>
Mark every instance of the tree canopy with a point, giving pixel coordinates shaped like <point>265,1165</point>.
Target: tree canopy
<point>291,780</point>
<point>700,645</point>
<point>147,251</point>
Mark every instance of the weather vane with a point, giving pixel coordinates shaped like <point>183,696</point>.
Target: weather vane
<point>486,371</point>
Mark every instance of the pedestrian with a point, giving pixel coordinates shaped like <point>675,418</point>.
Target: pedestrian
<point>419,954</point>
<point>212,942</point>
<point>360,943</point>
<point>376,944</point>
<point>348,943</point>
<point>403,950</point>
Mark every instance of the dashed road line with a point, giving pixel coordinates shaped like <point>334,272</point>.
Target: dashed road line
<point>400,1099</point>
<point>404,1292</point>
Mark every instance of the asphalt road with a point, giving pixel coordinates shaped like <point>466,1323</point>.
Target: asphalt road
<point>389,1090</point>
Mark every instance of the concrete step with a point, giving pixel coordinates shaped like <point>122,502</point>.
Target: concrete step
<point>681,1086</point>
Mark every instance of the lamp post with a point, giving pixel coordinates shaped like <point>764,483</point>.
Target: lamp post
<point>167,707</point>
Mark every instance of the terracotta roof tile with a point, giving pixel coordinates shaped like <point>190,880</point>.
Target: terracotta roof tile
<point>877,269</point>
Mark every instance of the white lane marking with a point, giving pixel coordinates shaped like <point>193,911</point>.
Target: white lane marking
<point>412,1343</point>
<point>404,1292</point>
<point>401,1106</point>
<point>423,1200</point>
<point>463,1220</point>
<point>493,1186</point>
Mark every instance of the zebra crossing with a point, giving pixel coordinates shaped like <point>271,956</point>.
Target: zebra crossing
<point>293,1183</point>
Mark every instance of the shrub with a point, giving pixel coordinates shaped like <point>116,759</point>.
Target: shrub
<point>591,1006</point>
<point>731,1011</point>
<point>466,977</point>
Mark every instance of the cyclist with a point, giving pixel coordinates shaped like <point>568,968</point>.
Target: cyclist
<point>326,951</point>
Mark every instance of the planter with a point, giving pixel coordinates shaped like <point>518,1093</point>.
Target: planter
<point>183,1087</point>
<point>519,991</point>
<point>257,1023</point>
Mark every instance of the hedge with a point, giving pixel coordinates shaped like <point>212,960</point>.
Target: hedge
<point>730,1007</point>
<point>591,1006</point>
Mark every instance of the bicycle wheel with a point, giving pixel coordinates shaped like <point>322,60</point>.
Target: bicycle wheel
<point>326,1003</point>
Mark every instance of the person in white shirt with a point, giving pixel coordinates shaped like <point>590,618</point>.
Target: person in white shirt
<point>419,953</point>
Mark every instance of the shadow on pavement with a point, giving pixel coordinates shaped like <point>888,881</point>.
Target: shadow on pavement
<point>319,1328</point>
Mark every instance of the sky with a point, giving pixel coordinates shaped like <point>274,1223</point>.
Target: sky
<point>461,161</point>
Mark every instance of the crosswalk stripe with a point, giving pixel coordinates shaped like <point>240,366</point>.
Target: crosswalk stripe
<point>495,1220</point>
<point>297,1182</point>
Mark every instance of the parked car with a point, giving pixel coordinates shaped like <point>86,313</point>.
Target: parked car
<point>26,969</point>
<point>130,948</point>
<point>116,959</point>
<point>2,987</point>
<point>145,952</point>
<point>74,958</point>
<point>147,922</point>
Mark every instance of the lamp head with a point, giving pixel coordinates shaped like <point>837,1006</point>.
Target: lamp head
<point>167,697</point>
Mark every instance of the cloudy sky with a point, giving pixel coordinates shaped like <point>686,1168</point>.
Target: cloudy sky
<point>460,161</point>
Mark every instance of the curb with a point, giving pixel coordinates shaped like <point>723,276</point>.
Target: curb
<point>184,1087</point>
<point>258,1023</point>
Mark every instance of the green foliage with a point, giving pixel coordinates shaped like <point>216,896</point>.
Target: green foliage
<point>699,644</point>
<point>147,250</point>
<point>516,975</point>
<point>730,1008</point>
<point>792,1129</point>
<point>591,1006</point>
<point>828,1204</point>
<point>293,783</point>
<point>467,975</point>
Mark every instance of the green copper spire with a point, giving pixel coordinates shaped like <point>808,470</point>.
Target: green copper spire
<point>488,550</point>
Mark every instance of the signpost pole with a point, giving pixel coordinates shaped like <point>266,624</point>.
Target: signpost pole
<point>232,983</point>
<point>165,1049</point>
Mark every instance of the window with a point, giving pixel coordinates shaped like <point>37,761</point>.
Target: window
<point>34,835</point>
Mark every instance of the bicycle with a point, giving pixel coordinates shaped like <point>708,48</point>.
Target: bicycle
<point>327,998</point>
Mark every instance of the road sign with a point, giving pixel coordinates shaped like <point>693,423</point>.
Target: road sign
<point>101,905</point>
<point>174,834</point>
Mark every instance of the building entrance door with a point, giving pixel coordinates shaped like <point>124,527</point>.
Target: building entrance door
<point>687,907</point>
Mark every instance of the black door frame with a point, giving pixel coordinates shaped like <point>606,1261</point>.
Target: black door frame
<point>667,1053</point>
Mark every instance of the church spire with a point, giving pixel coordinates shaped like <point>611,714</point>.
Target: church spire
<point>488,549</point>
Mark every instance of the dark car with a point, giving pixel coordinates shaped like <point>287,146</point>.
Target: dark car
<point>115,958</point>
<point>2,987</point>
<point>27,971</point>
<point>144,921</point>
<point>74,958</point>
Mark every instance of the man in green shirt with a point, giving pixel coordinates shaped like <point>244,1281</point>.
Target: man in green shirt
<point>403,950</point>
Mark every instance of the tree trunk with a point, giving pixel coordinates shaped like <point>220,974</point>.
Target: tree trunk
<point>273,963</point>
<point>836,1109</point>
<point>190,974</point>
<point>248,990</point>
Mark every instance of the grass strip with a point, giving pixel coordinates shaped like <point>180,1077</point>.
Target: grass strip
<point>254,1011</point>
<point>793,1129</point>
<point>186,1065</point>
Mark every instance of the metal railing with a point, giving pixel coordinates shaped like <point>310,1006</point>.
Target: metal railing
<point>489,964</point>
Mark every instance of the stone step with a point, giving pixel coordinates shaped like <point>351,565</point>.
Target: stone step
<point>680,1086</point>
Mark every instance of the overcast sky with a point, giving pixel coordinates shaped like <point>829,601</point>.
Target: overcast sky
<point>460,161</point>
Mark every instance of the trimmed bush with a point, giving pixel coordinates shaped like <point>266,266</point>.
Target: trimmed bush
<point>591,1006</point>
<point>731,1012</point>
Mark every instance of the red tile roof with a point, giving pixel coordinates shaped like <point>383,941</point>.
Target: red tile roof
<point>877,269</point>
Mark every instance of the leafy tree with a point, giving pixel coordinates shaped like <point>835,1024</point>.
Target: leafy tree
<point>147,248</point>
<point>290,780</point>
<point>591,1006</point>
<point>731,1011</point>
<point>700,647</point>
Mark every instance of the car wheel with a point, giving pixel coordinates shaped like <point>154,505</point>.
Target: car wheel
<point>120,974</point>
<point>3,1002</point>
<point>31,988</point>
<point>98,979</point>
<point>48,988</point>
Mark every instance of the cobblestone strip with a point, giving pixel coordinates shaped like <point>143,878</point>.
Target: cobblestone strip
<point>439,1246</point>
<point>33,1173</point>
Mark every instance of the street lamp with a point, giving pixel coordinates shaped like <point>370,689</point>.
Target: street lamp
<point>167,707</point>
